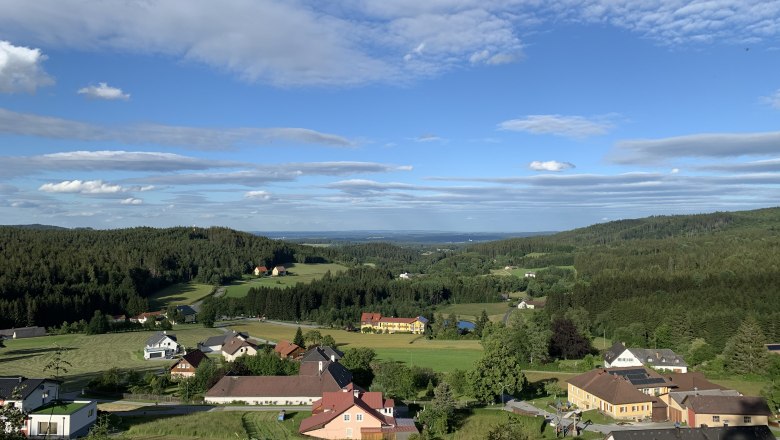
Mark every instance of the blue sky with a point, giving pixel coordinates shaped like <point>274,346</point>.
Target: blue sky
<point>433,115</point>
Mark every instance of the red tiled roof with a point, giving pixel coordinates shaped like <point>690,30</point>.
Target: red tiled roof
<point>232,346</point>
<point>610,388</point>
<point>262,268</point>
<point>335,403</point>
<point>148,314</point>
<point>399,320</point>
<point>286,348</point>
<point>369,317</point>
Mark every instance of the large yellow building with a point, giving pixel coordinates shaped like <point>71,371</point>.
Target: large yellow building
<point>622,393</point>
<point>382,324</point>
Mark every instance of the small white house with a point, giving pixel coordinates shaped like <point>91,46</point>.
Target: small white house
<point>530,275</point>
<point>62,420</point>
<point>405,276</point>
<point>161,345</point>
<point>530,304</point>
<point>659,358</point>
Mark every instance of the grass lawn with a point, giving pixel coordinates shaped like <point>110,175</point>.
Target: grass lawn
<point>597,418</point>
<point>437,354</point>
<point>89,354</point>
<point>179,294</point>
<point>477,424</point>
<point>744,386</point>
<point>220,425</point>
<point>472,311</point>
<point>296,273</point>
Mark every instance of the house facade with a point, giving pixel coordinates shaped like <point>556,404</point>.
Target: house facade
<point>288,350</point>
<point>189,314</point>
<point>161,345</point>
<point>188,364</point>
<point>724,410</point>
<point>214,344</point>
<point>381,324</point>
<point>279,271</point>
<point>660,359</point>
<point>237,347</point>
<point>530,304</point>
<point>260,271</point>
<point>621,393</point>
<point>145,316</point>
<point>33,393</point>
<point>62,420</point>
<point>354,414</point>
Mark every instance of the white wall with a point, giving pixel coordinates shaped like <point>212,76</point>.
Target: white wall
<point>41,397</point>
<point>66,424</point>
<point>625,359</point>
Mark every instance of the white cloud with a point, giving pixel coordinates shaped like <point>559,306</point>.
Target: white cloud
<point>568,126</point>
<point>195,138</point>
<point>131,201</point>
<point>81,187</point>
<point>258,195</point>
<point>649,151</point>
<point>428,138</point>
<point>104,91</point>
<point>21,69</point>
<point>773,100</point>
<point>550,165</point>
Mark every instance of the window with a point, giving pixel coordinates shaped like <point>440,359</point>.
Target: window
<point>633,409</point>
<point>90,413</point>
<point>359,417</point>
<point>716,418</point>
<point>747,419</point>
<point>349,432</point>
<point>346,417</point>
<point>47,428</point>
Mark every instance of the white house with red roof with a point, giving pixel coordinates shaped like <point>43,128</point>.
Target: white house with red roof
<point>356,414</point>
<point>382,324</point>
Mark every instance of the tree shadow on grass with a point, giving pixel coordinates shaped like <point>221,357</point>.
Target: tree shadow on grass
<point>34,351</point>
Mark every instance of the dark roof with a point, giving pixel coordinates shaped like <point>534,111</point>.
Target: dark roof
<point>24,332</point>
<point>322,354</point>
<point>680,396</point>
<point>341,376</point>
<point>186,310</point>
<point>216,340</point>
<point>159,337</point>
<point>658,357</point>
<point>26,386</point>
<point>194,358</point>
<point>739,405</point>
<point>309,383</point>
<point>761,432</point>
<point>692,380</point>
<point>616,350</point>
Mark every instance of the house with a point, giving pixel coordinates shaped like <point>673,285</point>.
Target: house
<point>722,409</point>
<point>621,393</point>
<point>659,358</point>
<point>279,271</point>
<point>62,419</point>
<point>352,413</point>
<point>236,347</point>
<point>47,415</point>
<point>405,276</point>
<point>260,271</point>
<point>313,379</point>
<point>773,348</point>
<point>317,354</point>
<point>676,400</point>
<point>214,344</point>
<point>145,316</point>
<point>288,350</point>
<point>117,319</point>
<point>187,312</point>
<point>380,324</point>
<point>725,433</point>
<point>161,345</point>
<point>530,304</point>
<point>186,366</point>
<point>529,275</point>
<point>23,332</point>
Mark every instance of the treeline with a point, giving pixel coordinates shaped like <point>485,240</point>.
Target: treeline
<point>339,300</point>
<point>48,276</point>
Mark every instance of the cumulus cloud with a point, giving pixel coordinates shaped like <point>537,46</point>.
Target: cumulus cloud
<point>569,126</point>
<point>650,151</point>
<point>428,137</point>
<point>21,69</point>
<point>104,91</point>
<point>195,138</point>
<point>773,100</point>
<point>81,187</point>
<point>550,165</point>
<point>131,201</point>
<point>258,195</point>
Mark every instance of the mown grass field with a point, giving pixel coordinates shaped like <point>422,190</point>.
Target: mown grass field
<point>472,311</point>
<point>480,421</point>
<point>179,294</point>
<point>296,273</point>
<point>221,425</point>
<point>89,354</point>
<point>437,354</point>
<point>744,386</point>
<point>521,271</point>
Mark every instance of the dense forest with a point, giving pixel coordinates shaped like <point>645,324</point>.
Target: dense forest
<point>48,276</point>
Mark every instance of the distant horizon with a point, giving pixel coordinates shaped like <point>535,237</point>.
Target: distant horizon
<point>444,116</point>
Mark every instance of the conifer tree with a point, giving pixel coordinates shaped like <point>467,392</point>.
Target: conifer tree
<point>298,340</point>
<point>745,352</point>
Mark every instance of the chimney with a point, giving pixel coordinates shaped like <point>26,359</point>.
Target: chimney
<point>320,367</point>
<point>356,393</point>
<point>333,358</point>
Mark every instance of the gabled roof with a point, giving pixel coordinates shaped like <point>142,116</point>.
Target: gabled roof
<point>340,376</point>
<point>194,358</point>
<point>280,267</point>
<point>722,433</point>
<point>739,405</point>
<point>334,404</point>
<point>692,380</point>
<point>25,386</point>
<point>662,357</point>
<point>370,317</point>
<point>221,339</point>
<point>149,315</point>
<point>261,268</point>
<point>307,383</point>
<point>616,350</point>
<point>680,396</point>
<point>231,346</point>
<point>159,337</point>
<point>186,310</point>
<point>620,385</point>
<point>286,348</point>
<point>322,354</point>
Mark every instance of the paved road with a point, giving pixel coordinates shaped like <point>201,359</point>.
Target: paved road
<point>508,314</point>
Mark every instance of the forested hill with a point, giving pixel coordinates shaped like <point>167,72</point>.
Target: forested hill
<point>51,275</point>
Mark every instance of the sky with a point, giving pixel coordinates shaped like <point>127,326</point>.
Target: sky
<point>439,115</point>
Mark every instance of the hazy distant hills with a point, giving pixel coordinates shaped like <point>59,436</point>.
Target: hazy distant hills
<point>415,237</point>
